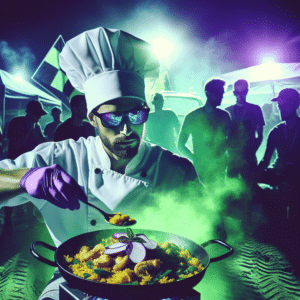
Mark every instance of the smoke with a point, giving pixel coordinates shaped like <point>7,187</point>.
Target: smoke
<point>17,61</point>
<point>192,213</point>
<point>194,59</point>
<point>200,60</point>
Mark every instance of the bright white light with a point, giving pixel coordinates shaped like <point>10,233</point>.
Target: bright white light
<point>20,73</point>
<point>162,47</point>
<point>19,79</point>
<point>268,60</point>
<point>269,70</point>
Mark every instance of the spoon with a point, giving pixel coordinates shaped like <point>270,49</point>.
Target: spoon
<point>107,217</point>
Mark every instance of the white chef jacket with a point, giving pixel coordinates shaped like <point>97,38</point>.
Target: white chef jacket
<point>152,169</point>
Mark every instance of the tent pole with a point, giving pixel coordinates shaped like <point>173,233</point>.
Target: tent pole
<point>2,96</point>
<point>273,96</point>
<point>273,90</point>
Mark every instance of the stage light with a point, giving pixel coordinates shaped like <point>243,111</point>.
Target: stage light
<point>20,73</point>
<point>162,47</point>
<point>268,60</point>
<point>19,79</point>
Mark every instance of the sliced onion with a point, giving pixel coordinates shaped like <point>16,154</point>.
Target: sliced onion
<point>129,248</point>
<point>138,252</point>
<point>115,248</point>
<point>117,235</point>
<point>150,244</point>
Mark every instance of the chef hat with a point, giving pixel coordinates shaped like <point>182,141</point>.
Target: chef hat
<point>106,64</point>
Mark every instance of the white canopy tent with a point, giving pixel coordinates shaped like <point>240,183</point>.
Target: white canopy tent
<point>266,81</point>
<point>17,88</point>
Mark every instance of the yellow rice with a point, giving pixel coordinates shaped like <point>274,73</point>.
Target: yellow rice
<point>122,269</point>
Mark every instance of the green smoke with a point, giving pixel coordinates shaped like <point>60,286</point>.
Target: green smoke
<point>188,212</point>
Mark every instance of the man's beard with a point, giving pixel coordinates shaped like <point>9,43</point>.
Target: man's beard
<point>120,150</point>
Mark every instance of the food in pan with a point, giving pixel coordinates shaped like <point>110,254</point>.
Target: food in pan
<point>122,260</point>
<point>120,219</point>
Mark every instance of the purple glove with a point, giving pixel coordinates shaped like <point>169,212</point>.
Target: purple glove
<point>54,185</point>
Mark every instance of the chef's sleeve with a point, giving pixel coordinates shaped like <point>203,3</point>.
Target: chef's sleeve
<point>41,156</point>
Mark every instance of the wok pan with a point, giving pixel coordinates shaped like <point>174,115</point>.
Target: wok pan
<point>113,291</point>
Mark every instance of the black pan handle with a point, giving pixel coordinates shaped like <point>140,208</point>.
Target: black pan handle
<point>41,258</point>
<point>223,256</point>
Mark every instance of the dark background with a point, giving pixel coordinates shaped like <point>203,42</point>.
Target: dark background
<point>210,37</point>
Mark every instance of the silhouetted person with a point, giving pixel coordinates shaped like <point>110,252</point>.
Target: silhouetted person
<point>24,134</point>
<point>247,133</point>
<point>75,127</point>
<point>163,126</point>
<point>283,209</point>
<point>209,128</point>
<point>51,127</point>
<point>270,116</point>
<point>1,144</point>
<point>285,140</point>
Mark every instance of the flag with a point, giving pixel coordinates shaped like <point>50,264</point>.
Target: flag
<point>51,77</point>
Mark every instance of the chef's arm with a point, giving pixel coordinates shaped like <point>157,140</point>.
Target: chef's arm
<point>10,183</point>
<point>50,183</point>
<point>185,151</point>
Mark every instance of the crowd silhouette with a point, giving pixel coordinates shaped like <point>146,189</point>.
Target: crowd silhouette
<point>225,144</point>
<point>24,133</point>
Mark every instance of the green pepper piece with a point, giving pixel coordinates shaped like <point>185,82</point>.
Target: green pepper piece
<point>178,272</point>
<point>86,275</point>
<point>165,274</point>
<point>75,261</point>
<point>89,264</point>
<point>101,272</point>
<point>155,279</point>
<point>190,269</point>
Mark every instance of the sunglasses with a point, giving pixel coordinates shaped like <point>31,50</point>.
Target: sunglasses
<point>112,119</point>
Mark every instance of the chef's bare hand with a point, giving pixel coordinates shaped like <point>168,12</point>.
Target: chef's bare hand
<point>53,184</point>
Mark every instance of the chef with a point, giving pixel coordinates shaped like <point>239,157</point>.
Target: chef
<point>117,170</point>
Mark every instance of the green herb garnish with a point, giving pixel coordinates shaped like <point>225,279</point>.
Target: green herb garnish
<point>86,275</point>
<point>130,233</point>
<point>139,240</point>
<point>101,272</point>
<point>124,239</point>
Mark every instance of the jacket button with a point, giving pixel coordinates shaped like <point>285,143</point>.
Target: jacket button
<point>93,222</point>
<point>144,174</point>
<point>97,170</point>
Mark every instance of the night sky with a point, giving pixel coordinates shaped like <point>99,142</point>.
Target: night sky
<point>210,38</point>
